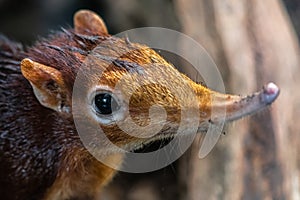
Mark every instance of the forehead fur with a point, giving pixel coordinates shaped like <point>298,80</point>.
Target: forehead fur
<point>67,50</point>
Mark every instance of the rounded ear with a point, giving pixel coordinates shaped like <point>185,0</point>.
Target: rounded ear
<point>86,21</point>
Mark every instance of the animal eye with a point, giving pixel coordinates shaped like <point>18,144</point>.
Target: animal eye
<point>105,104</point>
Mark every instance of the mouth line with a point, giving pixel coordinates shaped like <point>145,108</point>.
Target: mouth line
<point>157,138</point>
<point>167,135</point>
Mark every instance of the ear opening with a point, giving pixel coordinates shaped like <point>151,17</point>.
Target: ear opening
<point>48,85</point>
<point>86,21</point>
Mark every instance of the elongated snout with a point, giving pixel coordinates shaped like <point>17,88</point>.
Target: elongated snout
<point>233,107</point>
<point>244,106</point>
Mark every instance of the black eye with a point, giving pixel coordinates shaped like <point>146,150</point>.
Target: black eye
<point>105,104</point>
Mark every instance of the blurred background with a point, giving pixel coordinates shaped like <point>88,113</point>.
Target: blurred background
<point>252,42</point>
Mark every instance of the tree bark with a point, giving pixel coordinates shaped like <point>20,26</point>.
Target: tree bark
<point>252,43</point>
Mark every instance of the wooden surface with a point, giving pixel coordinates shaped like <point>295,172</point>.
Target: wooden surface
<point>252,43</point>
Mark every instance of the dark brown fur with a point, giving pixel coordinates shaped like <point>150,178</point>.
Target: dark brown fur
<point>33,142</point>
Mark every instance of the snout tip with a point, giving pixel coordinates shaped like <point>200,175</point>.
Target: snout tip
<point>270,93</point>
